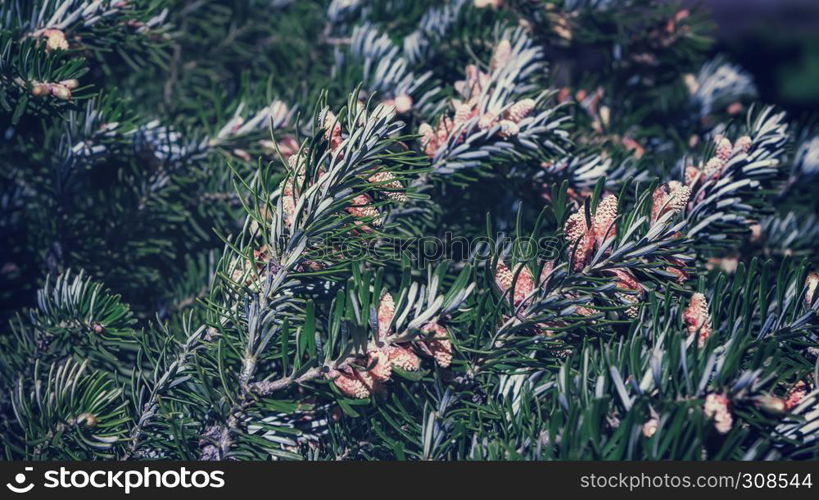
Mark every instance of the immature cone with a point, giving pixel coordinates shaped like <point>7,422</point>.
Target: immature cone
<point>403,358</point>
<point>476,80</point>
<point>40,89</point>
<point>627,281</point>
<point>680,276</point>
<point>692,175</point>
<point>579,309</point>
<point>381,366</point>
<point>426,132</point>
<point>724,148</point>
<point>388,181</point>
<point>669,198</point>
<point>449,126</point>
<point>585,238</point>
<point>575,227</point>
<point>70,84</point>
<point>429,140</point>
<point>633,310</point>
<point>361,207</point>
<point>287,146</point>
<point>289,207</point>
<point>403,103</point>
<point>463,113</point>
<point>634,147</point>
<point>508,128</point>
<point>811,282</point>
<point>482,4</point>
<point>261,260</point>
<point>795,395</point>
<point>60,91</point>
<point>697,319</point>
<point>89,419</point>
<point>677,268</point>
<point>439,346</point>
<point>289,187</point>
<point>480,80</point>
<point>487,121</point>
<point>742,145</point>
<point>713,167</point>
<point>278,107</point>
<point>386,310</point>
<point>520,110</point>
<point>524,285</point>
<point>357,384</point>
<point>650,427</point>
<point>603,221</point>
<point>691,83</point>
<point>716,407</point>
<point>501,54</point>
<point>546,270</point>
<point>55,40</point>
<point>332,130</point>
<point>577,233</point>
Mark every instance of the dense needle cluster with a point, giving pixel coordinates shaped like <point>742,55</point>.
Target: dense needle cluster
<point>413,230</point>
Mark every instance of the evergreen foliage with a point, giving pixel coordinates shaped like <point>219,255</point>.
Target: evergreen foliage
<point>412,230</point>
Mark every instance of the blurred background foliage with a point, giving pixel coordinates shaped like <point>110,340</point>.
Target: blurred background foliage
<point>777,41</point>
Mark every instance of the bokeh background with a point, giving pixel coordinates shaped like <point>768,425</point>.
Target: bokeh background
<point>778,42</point>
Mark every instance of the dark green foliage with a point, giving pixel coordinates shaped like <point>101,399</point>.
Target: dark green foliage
<point>268,229</point>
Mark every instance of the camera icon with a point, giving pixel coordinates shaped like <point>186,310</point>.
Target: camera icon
<point>19,479</point>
